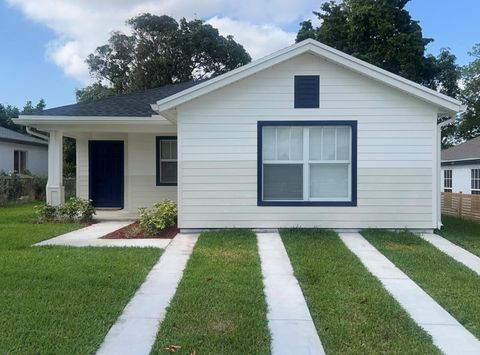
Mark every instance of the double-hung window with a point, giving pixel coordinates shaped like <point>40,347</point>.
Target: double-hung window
<point>475,181</point>
<point>307,163</point>
<point>19,161</point>
<point>166,161</point>
<point>447,180</point>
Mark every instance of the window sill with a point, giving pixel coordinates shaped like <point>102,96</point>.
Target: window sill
<point>167,184</point>
<point>308,203</point>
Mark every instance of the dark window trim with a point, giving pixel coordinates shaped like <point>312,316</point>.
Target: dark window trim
<point>261,202</point>
<point>298,102</point>
<point>157,160</point>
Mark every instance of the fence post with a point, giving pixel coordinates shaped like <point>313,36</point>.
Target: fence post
<point>460,204</point>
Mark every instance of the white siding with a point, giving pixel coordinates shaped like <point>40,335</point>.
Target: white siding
<point>461,177</point>
<point>140,169</point>
<point>218,151</point>
<point>37,160</point>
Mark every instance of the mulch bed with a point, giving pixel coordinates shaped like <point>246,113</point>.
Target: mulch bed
<point>135,231</point>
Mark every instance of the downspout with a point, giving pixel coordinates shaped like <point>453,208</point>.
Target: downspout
<point>42,136</point>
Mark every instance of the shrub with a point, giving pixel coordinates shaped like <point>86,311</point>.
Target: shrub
<point>160,216</point>
<point>74,210</point>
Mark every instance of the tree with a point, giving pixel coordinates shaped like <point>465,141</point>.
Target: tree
<point>162,51</point>
<point>380,32</point>
<point>93,92</point>
<point>8,112</point>
<point>469,125</point>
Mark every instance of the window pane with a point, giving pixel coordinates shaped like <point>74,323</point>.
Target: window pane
<point>16,161</point>
<point>283,143</point>
<point>328,146</point>
<point>296,143</point>
<point>315,143</point>
<point>173,148</point>
<point>283,181</point>
<point>328,180</point>
<point>269,143</point>
<point>165,149</point>
<point>168,171</point>
<point>343,143</point>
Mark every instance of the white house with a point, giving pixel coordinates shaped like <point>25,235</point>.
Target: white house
<point>307,136</point>
<point>20,153</point>
<point>461,168</point>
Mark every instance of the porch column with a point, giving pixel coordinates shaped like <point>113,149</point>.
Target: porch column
<point>55,188</point>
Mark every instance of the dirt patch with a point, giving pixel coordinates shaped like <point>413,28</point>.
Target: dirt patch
<point>135,231</point>
<point>416,249</point>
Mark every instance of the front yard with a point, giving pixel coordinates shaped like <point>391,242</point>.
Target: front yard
<point>63,300</point>
<point>60,300</point>
<point>352,312</point>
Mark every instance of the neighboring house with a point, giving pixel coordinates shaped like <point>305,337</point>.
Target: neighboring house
<point>20,153</point>
<point>307,136</point>
<point>461,168</point>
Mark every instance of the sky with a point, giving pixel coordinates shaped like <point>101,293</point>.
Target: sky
<point>43,44</point>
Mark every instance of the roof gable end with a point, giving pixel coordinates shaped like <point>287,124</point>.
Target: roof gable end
<point>445,103</point>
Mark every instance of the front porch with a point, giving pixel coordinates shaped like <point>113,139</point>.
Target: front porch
<point>129,169</point>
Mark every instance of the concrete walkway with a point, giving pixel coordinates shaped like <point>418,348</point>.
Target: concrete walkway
<point>459,254</point>
<point>89,237</point>
<point>447,333</point>
<point>289,320</point>
<point>135,330</point>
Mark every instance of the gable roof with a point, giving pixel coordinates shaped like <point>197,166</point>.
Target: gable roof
<point>465,151</point>
<point>445,103</point>
<point>135,104</point>
<point>7,135</point>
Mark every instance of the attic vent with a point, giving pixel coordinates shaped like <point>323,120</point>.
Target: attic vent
<point>307,91</point>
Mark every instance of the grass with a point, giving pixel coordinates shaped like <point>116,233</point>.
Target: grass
<point>219,306</point>
<point>450,283</point>
<point>60,300</point>
<point>464,233</point>
<point>352,312</point>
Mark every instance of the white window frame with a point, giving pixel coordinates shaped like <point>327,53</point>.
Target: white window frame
<point>306,163</point>
<point>447,180</point>
<point>475,178</point>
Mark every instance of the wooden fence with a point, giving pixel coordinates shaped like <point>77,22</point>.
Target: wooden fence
<point>461,205</point>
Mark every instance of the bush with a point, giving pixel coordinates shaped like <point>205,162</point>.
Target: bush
<point>74,210</point>
<point>160,216</point>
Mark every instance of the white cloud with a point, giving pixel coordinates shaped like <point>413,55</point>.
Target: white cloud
<point>82,25</point>
<point>258,40</point>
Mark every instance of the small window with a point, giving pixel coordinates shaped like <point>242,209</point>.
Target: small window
<point>19,161</point>
<point>475,181</point>
<point>307,91</point>
<point>447,180</point>
<point>166,161</point>
<point>307,163</point>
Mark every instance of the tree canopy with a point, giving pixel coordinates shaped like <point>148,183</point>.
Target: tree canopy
<point>7,112</point>
<point>380,32</point>
<point>161,51</point>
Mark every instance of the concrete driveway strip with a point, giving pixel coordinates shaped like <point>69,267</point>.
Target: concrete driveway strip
<point>459,254</point>
<point>289,320</point>
<point>135,330</point>
<point>447,333</point>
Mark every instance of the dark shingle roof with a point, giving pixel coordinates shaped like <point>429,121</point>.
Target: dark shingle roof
<point>136,104</point>
<point>468,150</point>
<point>7,135</point>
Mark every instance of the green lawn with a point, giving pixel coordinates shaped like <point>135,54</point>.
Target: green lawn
<point>353,313</point>
<point>462,232</point>
<point>219,306</point>
<point>59,300</point>
<point>450,283</point>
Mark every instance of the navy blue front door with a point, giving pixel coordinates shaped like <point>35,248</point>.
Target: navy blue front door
<point>106,173</point>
